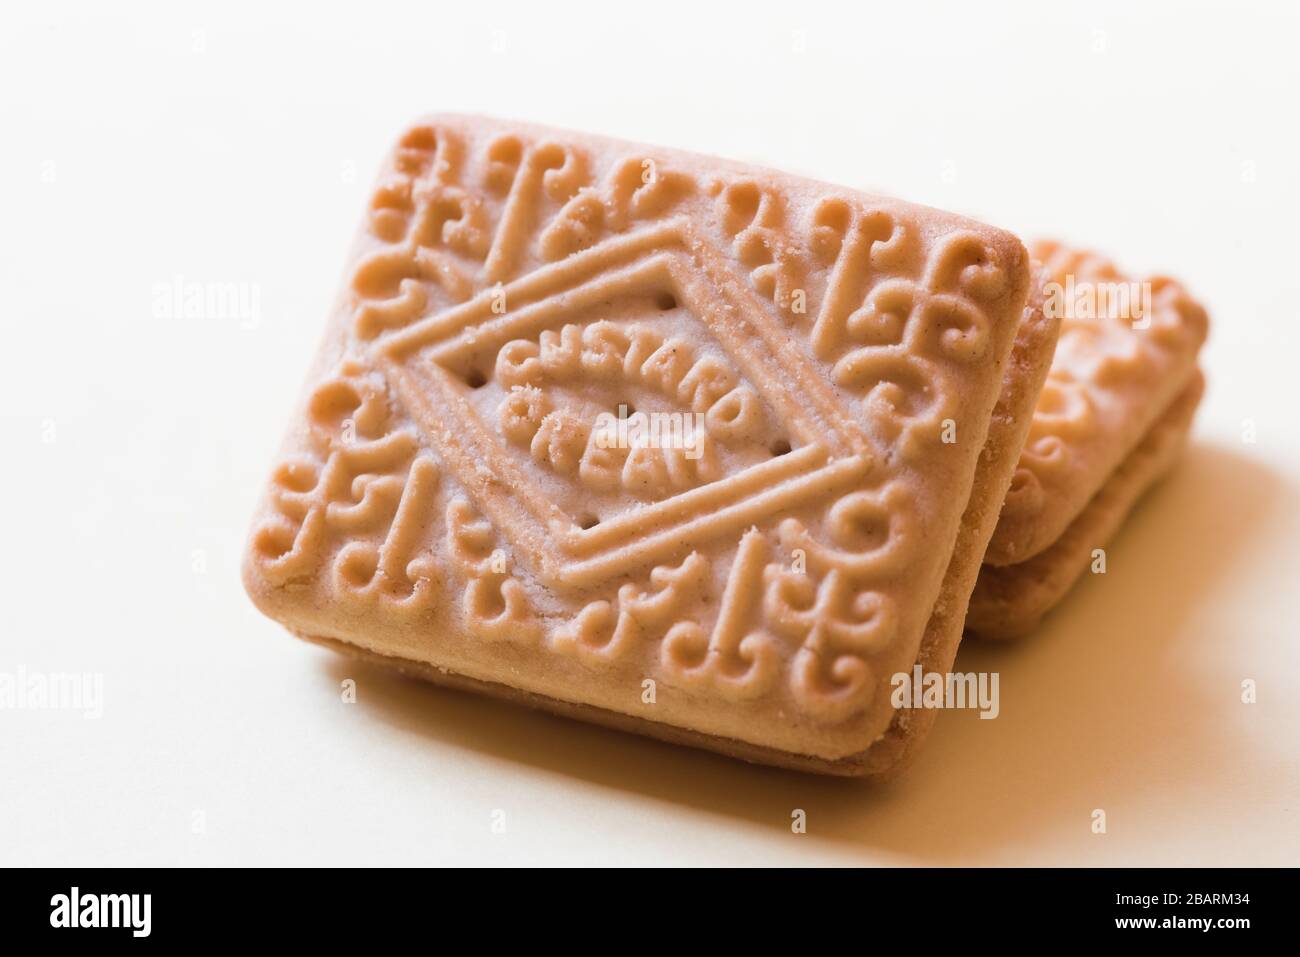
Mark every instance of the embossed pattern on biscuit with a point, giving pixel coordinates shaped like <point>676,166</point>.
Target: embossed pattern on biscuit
<point>451,497</point>
<point>1118,364</point>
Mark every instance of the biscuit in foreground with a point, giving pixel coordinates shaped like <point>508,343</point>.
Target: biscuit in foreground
<point>446,501</point>
<point>889,755</point>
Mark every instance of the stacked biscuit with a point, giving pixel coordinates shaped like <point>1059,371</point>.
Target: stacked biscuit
<point>702,450</point>
<point>1110,421</point>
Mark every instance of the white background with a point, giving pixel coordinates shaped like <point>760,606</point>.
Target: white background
<point>236,143</point>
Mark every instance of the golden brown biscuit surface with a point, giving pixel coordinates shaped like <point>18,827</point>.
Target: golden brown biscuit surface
<point>447,497</point>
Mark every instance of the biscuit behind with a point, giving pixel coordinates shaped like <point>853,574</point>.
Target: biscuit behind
<point>1114,374</point>
<point>1010,600</point>
<point>1110,421</point>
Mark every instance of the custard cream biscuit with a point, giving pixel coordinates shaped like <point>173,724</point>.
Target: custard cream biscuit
<point>1104,430</point>
<point>1127,348</point>
<point>670,443</point>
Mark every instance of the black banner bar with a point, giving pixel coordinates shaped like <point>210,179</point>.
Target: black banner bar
<point>335,907</point>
